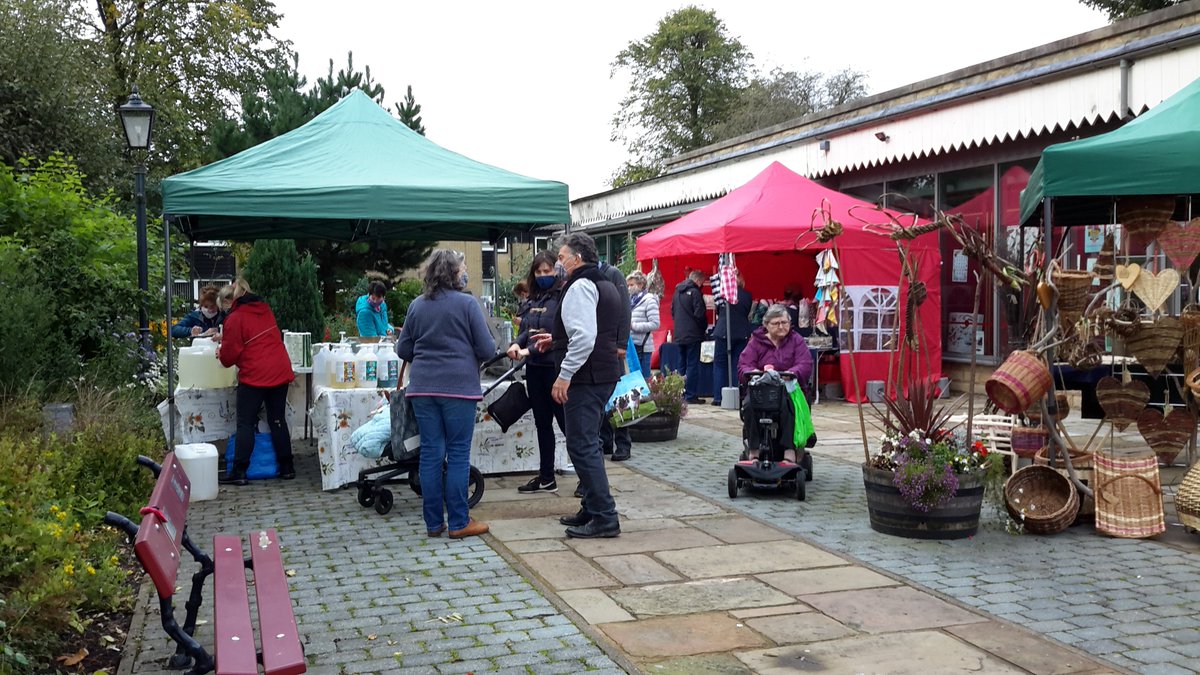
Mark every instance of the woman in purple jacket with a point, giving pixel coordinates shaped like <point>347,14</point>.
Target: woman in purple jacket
<point>777,347</point>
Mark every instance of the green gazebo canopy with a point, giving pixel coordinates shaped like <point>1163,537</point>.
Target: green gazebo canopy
<point>1156,154</point>
<point>354,172</point>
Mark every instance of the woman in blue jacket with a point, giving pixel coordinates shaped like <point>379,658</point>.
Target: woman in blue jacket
<point>202,322</point>
<point>372,313</point>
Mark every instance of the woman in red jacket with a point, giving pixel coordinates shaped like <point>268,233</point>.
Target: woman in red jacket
<point>252,341</point>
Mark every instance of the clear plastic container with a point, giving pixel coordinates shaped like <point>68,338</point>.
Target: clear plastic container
<point>199,462</point>
<point>389,365</point>
<point>366,367</point>
<point>342,366</point>
<point>199,367</point>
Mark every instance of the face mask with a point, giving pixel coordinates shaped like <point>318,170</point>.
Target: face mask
<point>462,279</point>
<point>208,312</point>
<point>374,303</point>
<point>545,282</point>
<point>559,270</point>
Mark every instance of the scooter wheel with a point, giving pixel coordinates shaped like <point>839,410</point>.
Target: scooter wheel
<point>383,501</point>
<point>806,464</point>
<point>799,488</point>
<point>733,484</point>
<point>366,496</point>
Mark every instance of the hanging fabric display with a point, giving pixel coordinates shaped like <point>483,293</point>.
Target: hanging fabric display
<point>828,286</point>
<point>728,273</point>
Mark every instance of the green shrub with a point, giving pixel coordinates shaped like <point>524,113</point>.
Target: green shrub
<point>400,297</point>
<point>288,282</point>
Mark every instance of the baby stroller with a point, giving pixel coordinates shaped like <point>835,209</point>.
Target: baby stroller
<point>405,458</point>
<point>763,464</point>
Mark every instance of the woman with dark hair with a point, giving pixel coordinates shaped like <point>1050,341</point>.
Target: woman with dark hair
<point>203,321</point>
<point>445,338</point>
<point>541,369</point>
<point>372,313</point>
<point>252,341</point>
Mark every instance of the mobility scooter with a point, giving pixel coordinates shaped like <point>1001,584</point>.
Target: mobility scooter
<point>762,464</point>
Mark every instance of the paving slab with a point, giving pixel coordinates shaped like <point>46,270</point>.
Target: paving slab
<point>642,542</point>
<point>698,596</point>
<point>1021,648</point>
<point>682,635</point>
<point>702,664</point>
<point>660,503</point>
<point>549,507</point>
<point>884,610</point>
<point>636,569</point>
<point>526,528</point>
<point>566,570</point>
<point>925,652</point>
<point>826,580</point>
<point>791,629</point>
<point>771,611</point>
<point>650,524</point>
<point>733,559</point>
<point>737,529</point>
<point>595,606</point>
<point>536,545</point>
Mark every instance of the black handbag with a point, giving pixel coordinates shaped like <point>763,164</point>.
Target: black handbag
<point>511,406</point>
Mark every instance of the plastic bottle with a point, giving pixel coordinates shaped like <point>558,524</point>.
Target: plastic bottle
<point>366,365</point>
<point>342,365</point>
<point>389,366</point>
<point>320,366</point>
<point>668,336</point>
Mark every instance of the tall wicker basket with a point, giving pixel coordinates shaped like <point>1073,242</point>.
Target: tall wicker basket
<point>1187,499</point>
<point>1129,496</point>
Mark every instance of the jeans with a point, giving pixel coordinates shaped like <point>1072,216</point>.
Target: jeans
<point>446,426</point>
<point>249,400</point>
<point>584,411</point>
<point>538,382</point>
<point>721,376</point>
<point>689,360</point>
<point>645,363</point>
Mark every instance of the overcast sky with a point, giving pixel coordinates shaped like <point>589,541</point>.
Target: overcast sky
<point>525,85</point>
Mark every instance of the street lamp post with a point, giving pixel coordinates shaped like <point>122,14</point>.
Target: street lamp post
<point>137,119</point>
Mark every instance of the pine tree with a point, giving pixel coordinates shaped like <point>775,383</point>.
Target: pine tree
<point>288,282</point>
<point>409,112</point>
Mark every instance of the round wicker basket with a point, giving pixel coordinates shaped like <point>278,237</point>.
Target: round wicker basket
<point>1043,501</point>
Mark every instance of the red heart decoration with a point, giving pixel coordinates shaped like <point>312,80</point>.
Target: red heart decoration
<point>1122,402</point>
<point>1181,243</point>
<point>1166,435</point>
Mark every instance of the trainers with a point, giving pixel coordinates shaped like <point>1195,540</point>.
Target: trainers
<point>538,485</point>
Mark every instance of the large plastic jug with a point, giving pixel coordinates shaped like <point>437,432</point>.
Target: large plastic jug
<point>320,366</point>
<point>342,365</point>
<point>199,462</point>
<point>200,369</point>
<point>366,364</point>
<point>389,365</point>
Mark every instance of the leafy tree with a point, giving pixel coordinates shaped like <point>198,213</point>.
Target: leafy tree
<point>288,282</point>
<point>409,112</point>
<point>785,95</point>
<point>685,79</point>
<point>628,261</point>
<point>1123,9</point>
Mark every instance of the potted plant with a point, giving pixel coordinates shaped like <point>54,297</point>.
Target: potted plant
<point>666,390</point>
<point>924,481</point>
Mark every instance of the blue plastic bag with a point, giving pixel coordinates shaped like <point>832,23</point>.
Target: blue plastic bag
<point>262,458</point>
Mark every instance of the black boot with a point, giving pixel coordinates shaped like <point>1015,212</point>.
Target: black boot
<point>580,518</point>
<point>237,478</point>
<point>595,529</point>
<point>287,470</point>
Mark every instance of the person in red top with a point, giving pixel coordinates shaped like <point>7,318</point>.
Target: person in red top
<point>252,341</point>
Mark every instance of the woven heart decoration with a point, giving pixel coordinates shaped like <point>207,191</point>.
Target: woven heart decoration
<point>1128,274</point>
<point>1181,243</point>
<point>1142,218</point>
<point>1155,344</point>
<point>1154,289</point>
<point>1122,402</point>
<point>1166,434</point>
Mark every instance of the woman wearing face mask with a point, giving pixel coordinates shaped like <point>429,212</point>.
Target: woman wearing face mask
<point>372,313</point>
<point>644,319</point>
<point>445,338</point>
<point>541,308</point>
<point>202,322</point>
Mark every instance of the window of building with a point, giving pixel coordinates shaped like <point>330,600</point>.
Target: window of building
<point>868,193</point>
<point>542,243</point>
<point>969,194</point>
<point>502,245</point>
<point>869,313</point>
<point>912,195</point>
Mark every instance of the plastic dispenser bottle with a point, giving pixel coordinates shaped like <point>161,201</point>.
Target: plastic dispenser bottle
<point>320,366</point>
<point>366,367</point>
<point>342,364</point>
<point>389,365</point>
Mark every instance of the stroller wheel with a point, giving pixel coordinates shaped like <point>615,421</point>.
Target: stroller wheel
<point>733,484</point>
<point>366,495</point>
<point>414,481</point>
<point>383,501</point>
<point>475,487</point>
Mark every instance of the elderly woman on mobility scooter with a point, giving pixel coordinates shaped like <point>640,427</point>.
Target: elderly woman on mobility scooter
<point>775,347</point>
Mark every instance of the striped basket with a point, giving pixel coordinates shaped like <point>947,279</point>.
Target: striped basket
<point>1022,379</point>
<point>1187,499</point>
<point>1129,496</point>
<point>1026,441</point>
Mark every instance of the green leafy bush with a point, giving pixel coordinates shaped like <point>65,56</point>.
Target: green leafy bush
<point>288,282</point>
<point>400,297</point>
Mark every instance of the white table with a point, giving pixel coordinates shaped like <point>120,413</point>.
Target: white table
<point>208,415</point>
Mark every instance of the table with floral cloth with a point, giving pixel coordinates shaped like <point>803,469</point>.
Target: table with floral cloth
<point>336,413</point>
<point>210,415</point>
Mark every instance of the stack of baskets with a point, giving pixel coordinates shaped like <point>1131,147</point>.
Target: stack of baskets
<point>1085,468</point>
<point>1041,499</point>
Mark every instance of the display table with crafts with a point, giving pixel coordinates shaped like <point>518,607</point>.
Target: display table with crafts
<point>336,413</point>
<point>210,415</point>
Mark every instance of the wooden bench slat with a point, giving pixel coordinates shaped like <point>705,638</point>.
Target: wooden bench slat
<point>282,651</point>
<point>158,544</point>
<point>234,646</point>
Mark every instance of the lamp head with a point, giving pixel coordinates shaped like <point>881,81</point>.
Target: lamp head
<point>882,137</point>
<point>137,119</point>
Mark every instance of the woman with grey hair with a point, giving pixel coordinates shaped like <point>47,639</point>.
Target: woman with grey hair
<point>777,347</point>
<point>445,338</point>
<point>644,319</point>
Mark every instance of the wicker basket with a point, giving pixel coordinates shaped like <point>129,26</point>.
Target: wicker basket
<point>1129,496</point>
<point>1022,379</point>
<point>1026,441</point>
<point>1042,500</point>
<point>1155,344</point>
<point>1061,402</point>
<point>1187,499</point>
<point>1074,291</point>
<point>1189,348</point>
<point>1142,218</point>
<point>1085,468</point>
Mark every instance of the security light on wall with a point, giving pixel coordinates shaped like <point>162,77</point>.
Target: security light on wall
<point>823,144</point>
<point>882,137</point>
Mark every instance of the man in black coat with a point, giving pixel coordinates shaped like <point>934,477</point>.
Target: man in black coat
<point>616,442</point>
<point>690,317</point>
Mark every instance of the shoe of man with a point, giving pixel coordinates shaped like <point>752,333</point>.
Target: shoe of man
<point>237,478</point>
<point>715,402</point>
<point>287,471</point>
<point>579,492</point>
<point>538,485</point>
<point>474,528</point>
<point>696,400</point>
<point>595,529</point>
<point>579,519</point>
<point>619,456</point>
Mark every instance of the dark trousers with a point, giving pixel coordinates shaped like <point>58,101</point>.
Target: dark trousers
<point>611,438</point>
<point>250,400</point>
<point>689,360</point>
<point>584,410</point>
<point>538,382</point>
<point>722,376</point>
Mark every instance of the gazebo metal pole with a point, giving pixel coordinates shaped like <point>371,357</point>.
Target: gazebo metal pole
<point>1049,321</point>
<point>169,282</point>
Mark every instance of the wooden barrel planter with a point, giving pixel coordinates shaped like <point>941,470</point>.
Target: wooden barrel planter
<point>655,428</point>
<point>891,514</point>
